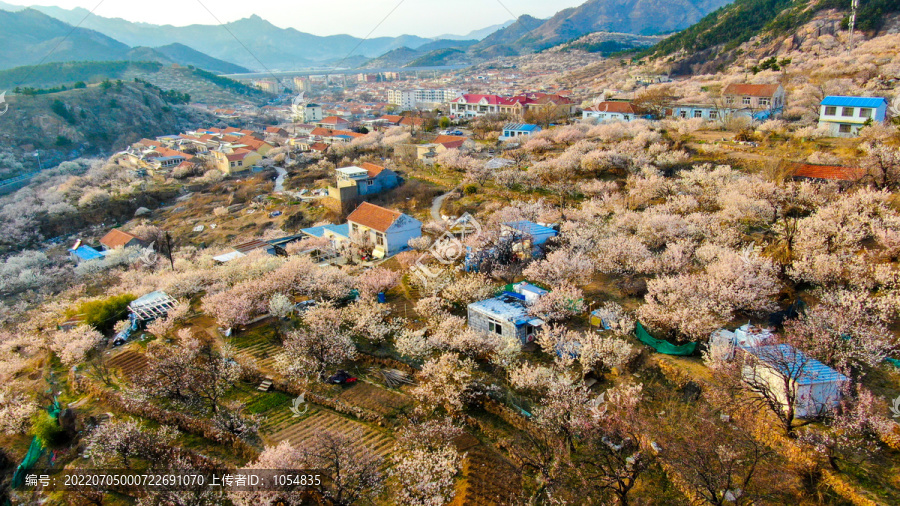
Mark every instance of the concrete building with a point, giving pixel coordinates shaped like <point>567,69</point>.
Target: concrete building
<point>754,97</point>
<point>235,162</point>
<point>610,111</point>
<point>307,113</point>
<point>421,98</point>
<point>367,179</point>
<point>387,232</point>
<point>505,315</point>
<point>513,131</point>
<point>844,116</point>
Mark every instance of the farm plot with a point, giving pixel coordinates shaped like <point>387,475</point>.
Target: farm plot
<point>129,362</point>
<point>261,344</point>
<point>488,479</point>
<point>371,397</point>
<point>280,426</point>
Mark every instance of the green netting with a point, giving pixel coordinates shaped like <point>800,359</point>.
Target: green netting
<point>35,450</point>
<point>893,361</point>
<point>661,346</point>
<point>34,453</point>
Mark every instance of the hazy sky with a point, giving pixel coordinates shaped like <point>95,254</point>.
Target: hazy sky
<point>426,18</point>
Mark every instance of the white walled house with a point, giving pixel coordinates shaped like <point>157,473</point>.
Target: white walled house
<point>610,111</point>
<point>844,116</point>
<point>759,101</point>
<point>387,231</point>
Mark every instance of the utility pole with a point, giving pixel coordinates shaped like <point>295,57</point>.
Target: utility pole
<point>854,5</point>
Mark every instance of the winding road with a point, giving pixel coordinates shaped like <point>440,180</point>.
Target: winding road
<point>279,181</point>
<point>436,205</point>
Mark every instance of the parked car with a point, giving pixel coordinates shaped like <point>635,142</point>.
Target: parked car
<point>342,377</point>
<point>303,306</point>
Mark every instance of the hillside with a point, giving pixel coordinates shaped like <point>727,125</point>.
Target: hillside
<point>28,37</point>
<point>184,55</point>
<point>68,73</point>
<point>438,57</point>
<point>715,39</point>
<point>393,59</point>
<point>91,121</point>
<point>509,35</point>
<point>447,44</point>
<point>642,17</point>
<point>203,86</point>
<point>606,43</point>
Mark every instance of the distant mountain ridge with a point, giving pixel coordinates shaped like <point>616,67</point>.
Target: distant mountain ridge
<point>270,47</point>
<point>637,17</point>
<point>30,37</point>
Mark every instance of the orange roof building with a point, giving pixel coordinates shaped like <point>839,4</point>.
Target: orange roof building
<point>386,231</point>
<point>827,172</point>
<point>116,238</point>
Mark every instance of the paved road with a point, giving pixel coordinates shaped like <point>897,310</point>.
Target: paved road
<point>279,181</point>
<point>436,206</point>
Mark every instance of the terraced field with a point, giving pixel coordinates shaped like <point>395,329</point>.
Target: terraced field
<point>281,426</point>
<point>129,362</point>
<point>374,398</point>
<point>488,479</point>
<point>261,345</point>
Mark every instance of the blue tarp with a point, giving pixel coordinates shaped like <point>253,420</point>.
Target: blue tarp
<point>86,253</point>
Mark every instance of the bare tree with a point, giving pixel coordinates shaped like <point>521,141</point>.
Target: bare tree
<point>774,375</point>
<point>353,468</point>
<point>720,461</point>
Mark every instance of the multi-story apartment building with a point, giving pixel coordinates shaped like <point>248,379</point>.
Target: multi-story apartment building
<point>412,99</point>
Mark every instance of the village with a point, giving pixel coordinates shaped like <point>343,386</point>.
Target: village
<point>547,280</point>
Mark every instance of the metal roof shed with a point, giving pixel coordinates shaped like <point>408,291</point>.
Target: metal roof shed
<point>818,387</point>
<point>151,306</point>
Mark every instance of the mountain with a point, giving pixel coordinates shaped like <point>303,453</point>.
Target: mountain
<point>641,17</point>
<point>510,34</point>
<point>438,57</point>
<point>29,37</point>
<point>446,44</point>
<point>478,34</point>
<point>718,38</point>
<point>183,55</point>
<point>263,46</point>
<point>393,59</point>
<point>638,17</point>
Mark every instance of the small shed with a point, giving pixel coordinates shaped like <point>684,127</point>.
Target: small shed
<point>504,315</point>
<point>151,306</point>
<point>530,292</point>
<point>538,233</point>
<point>83,252</point>
<point>818,387</point>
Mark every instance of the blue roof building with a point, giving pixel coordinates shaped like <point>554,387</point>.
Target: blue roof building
<point>845,116</point>
<point>539,233</point>
<point>514,130</point>
<point>329,230</point>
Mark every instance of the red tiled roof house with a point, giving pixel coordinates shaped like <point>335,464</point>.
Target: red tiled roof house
<point>388,232</point>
